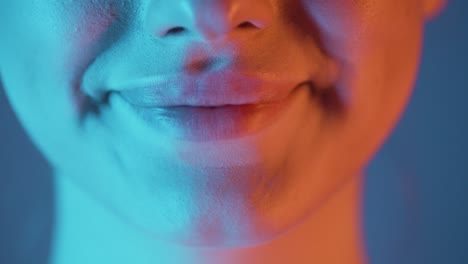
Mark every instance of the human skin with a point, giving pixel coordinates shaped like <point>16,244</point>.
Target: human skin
<point>343,71</point>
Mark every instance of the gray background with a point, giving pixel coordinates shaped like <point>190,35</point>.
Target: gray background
<point>415,195</point>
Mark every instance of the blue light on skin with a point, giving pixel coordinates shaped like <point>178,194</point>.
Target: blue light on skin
<point>130,193</point>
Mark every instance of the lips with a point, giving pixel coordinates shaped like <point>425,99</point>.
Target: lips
<point>223,88</point>
<point>209,107</point>
<point>210,123</point>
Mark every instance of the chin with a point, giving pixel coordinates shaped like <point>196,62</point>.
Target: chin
<point>221,229</point>
<point>214,240</point>
<point>233,207</point>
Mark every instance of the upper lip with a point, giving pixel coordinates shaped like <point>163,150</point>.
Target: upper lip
<point>214,89</point>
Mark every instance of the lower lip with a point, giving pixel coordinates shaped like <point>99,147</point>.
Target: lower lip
<point>214,123</point>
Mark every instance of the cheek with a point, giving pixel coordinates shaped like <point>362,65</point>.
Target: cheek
<point>47,48</point>
<point>51,41</point>
<point>376,44</point>
<point>89,28</point>
<point>377,41</point>
<point>339,22</point>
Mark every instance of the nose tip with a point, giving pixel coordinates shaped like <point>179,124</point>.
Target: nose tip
<point>210,19</point>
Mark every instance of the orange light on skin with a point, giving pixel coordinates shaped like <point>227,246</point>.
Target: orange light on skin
<point>315,239</point>
<point>175,152</point>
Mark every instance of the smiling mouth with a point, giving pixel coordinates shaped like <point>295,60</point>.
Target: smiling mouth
<point>210,118</point>
<point>212,123</point>
<point>217,106</point>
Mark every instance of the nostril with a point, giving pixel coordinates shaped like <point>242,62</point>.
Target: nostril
<point>174,31</point>
<point>246,24</point>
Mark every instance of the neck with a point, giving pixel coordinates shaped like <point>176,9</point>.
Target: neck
<point>87,232</point>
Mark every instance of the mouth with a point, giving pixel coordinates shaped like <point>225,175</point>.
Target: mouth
<point>211,123</point>
<point>218,89</point>
<point>213,107</point>
<point>215,123</point>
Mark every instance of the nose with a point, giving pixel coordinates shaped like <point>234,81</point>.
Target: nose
<point>209,19</point>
